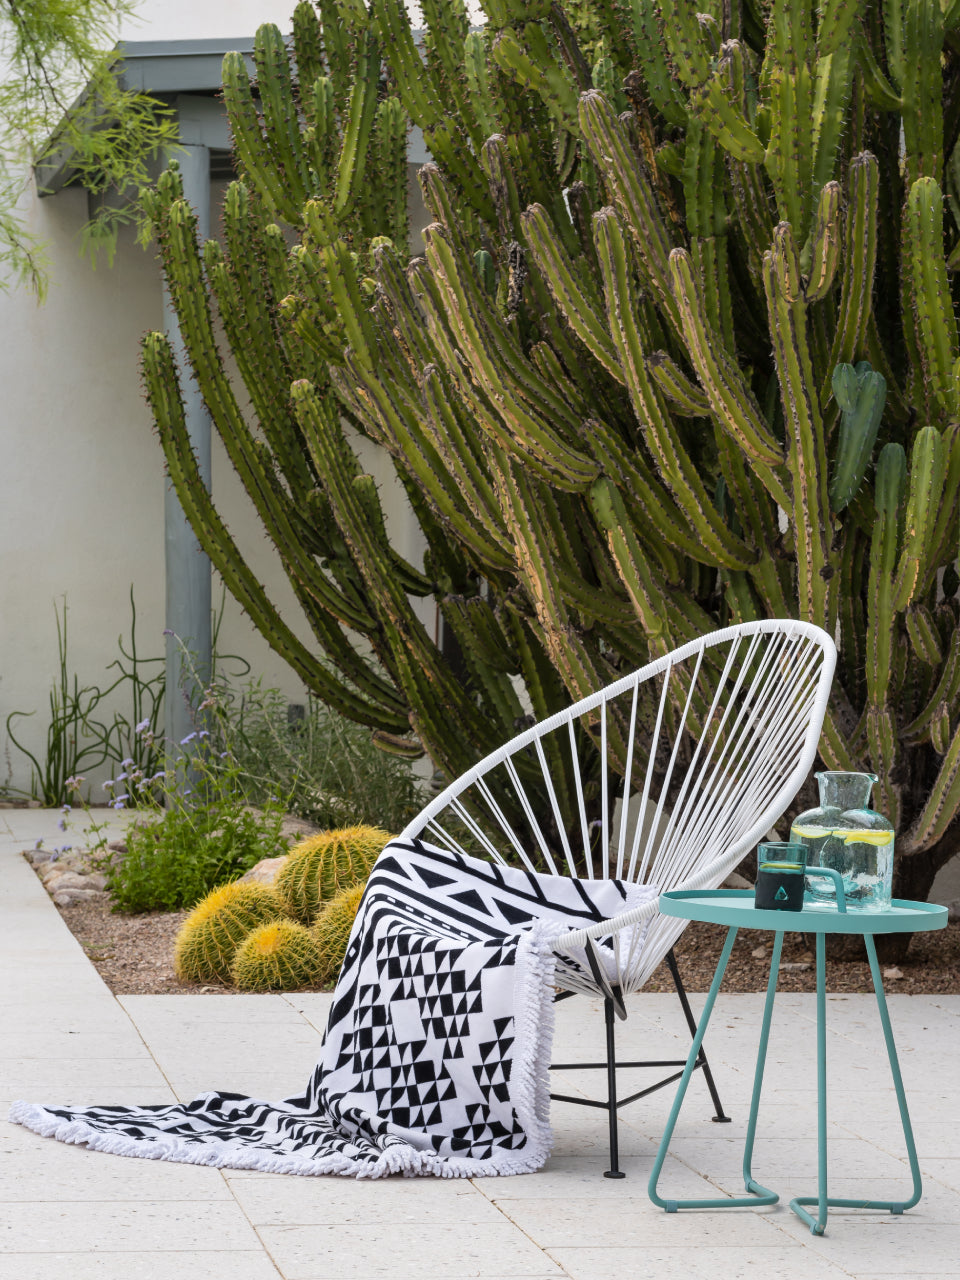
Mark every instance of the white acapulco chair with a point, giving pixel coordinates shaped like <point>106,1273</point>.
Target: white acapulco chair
<point>708,745</point>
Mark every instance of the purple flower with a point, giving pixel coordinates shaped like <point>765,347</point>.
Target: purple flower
<point>143,725</point>
<point>125,764</point>
<point>189,738</point>
<point>204,733</point>
<point>167,631</point>
<point>62,824</point>
<point>121,777</point>
<point>109,785</point>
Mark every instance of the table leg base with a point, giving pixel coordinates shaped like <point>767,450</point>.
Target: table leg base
<point>835,1202</point>
<point>758,1198</point>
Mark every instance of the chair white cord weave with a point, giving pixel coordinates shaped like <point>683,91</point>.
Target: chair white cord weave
<point>667,777</point>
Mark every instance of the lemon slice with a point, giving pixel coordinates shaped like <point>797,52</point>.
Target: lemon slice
<point>879,839</point>
<point>810,833</point>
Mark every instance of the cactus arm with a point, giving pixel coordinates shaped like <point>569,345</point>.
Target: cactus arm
<point>308,50</point>
<point>533,65</point>
<point>280,117</point>
<point>686,398</point>
<point>248,141</point>
<point>478,81</point>
<point>928,466</point>
<point>414,81</point>
<point>418,454</point>
<point>730,398</point>
<point>923,635</point>
<point>930,289</point>
<point>182,260</point>
<point>499,367</point>
<point>566,648</point>
<point>613,156</point>
<point>834,85</point>
<point>714,102</point>
<point>860,256</point>
<point>657,77</point>
<point>942,804</point>
<point>876,85</point>
<point>352,160</point>
<point>632,563</point>
<point>807,453</point>
<point>789,85</point>
<point>162,386</point>
<point>946,692</point>
<point>921,84</point>
<point>825,254</point>
<point>881,613</point>
<point>446,32</point>
<point>628,468</point>
<point>722,546</point>
<point>580,310</point>
<point>433,693</point>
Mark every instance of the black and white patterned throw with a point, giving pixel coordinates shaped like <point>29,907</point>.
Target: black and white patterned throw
<point>438,1042</point>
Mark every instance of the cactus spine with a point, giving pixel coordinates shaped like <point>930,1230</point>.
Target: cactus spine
<point>611,413</point>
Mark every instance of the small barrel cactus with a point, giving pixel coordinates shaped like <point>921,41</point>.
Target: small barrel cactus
<point>320,866</point>
<point>217,925</point>
<point>280,956</point>
<point>332,930</point>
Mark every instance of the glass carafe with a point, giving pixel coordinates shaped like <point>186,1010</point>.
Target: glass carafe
<point>843,833</point>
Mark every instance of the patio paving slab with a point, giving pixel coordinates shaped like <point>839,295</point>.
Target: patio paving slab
<point>67,1213</point>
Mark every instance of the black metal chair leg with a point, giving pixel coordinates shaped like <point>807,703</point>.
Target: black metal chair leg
<point>719,1117</point>
<point>614,1170</point>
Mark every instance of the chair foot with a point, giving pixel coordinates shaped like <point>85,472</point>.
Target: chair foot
<point>721,1119</point>
<point>613,1173</point>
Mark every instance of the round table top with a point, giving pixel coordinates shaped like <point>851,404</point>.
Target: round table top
<point>736,907</point>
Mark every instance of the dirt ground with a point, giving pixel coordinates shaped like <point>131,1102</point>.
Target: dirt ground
<point>134,956</point>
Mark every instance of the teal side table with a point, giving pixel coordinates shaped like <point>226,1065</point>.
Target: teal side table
<point>735,908</point>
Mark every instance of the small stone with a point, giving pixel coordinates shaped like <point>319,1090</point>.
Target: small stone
<point>795,966</point>
<point>808,956</point>
<point>759,953</point>
<point>72,880</point>
<point>893,973</point>
<point>36,857</point>
<point>71,897</point>
<point>265,872</point>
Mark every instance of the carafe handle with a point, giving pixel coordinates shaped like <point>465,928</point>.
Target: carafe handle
<point>829,874</point>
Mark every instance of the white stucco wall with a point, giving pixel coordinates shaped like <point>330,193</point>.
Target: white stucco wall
<point>81,481</point>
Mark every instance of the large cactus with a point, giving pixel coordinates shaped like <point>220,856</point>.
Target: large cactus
<point>681,350</point>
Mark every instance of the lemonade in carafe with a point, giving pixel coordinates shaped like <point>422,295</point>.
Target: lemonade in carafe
<point>854,840</point>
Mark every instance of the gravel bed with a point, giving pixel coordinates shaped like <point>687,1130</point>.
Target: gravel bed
<point>134,956</point>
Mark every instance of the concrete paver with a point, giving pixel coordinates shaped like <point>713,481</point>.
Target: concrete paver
<point>67,1213</point>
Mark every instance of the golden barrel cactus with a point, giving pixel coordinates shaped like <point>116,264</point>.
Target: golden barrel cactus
<point>280,956</point>
<point>320,866</point>
<point>210,935</point>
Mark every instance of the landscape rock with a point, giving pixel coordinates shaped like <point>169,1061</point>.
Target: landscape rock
<point>265,872</point>
<point>70,897</point>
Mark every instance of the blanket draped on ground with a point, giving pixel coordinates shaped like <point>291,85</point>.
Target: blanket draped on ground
<point>437,1047</point>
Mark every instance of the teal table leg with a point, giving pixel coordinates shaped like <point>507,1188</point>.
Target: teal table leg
<point>893,1205</point>
<point>766,1196</point>
<point>822,1200</point>
<point>671,1206</point>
